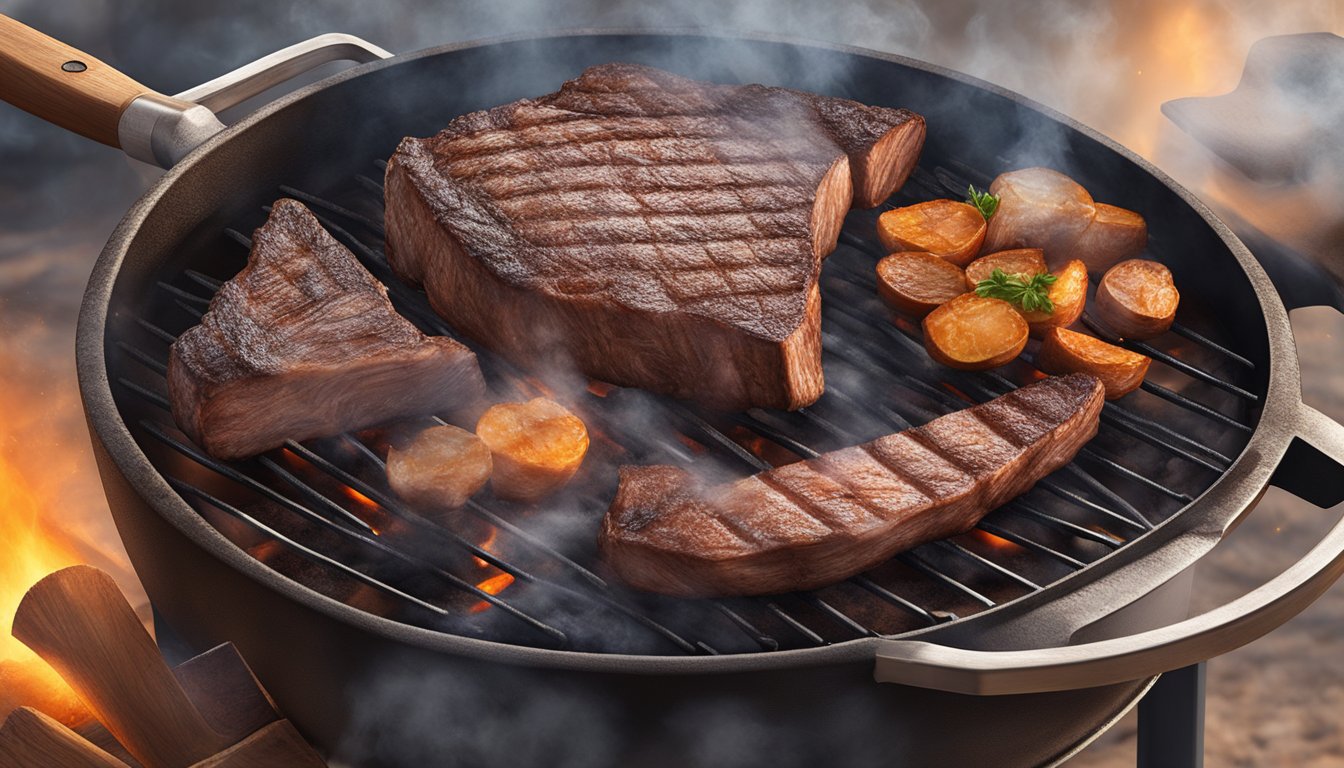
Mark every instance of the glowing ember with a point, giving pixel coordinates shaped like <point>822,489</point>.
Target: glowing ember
<point>961,395</point>
<point>690,442</point>
<point>906,325</point>
<point>492,586</point>
<point>996,542</point>
<point>30,553</point>
<point>599,388</point>
<point>541,388</point>
<point>489,546</point>
<point>360,498</point>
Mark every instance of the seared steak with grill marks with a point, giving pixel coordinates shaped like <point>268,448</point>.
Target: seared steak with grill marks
<point>304,343</point>
<point>805,525</point>
<point>651,230</point>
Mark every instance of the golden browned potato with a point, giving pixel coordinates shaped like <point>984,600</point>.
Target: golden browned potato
<point>1137,299</point>
<point>1120,370</point>
<point>916,283</point>
<point>1114,235</point>
<point>948,228</point>
<point>440,468</point>
<point>537,447</point>
<point>974,333</point>
<point>1023,262</point>
<point>1068,294</point>
<point>1038,208</point>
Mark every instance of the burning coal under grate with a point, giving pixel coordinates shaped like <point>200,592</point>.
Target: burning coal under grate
<point>321,512</point>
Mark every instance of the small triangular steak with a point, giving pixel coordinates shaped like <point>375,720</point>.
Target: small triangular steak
<point>303,343</point>
<point>646,229</point>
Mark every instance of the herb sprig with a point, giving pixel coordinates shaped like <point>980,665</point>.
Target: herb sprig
<point>1032,294</point>
<point>984,202</point>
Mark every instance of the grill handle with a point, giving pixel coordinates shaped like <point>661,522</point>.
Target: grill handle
<point>76,91</point>
<point>1315,459</point>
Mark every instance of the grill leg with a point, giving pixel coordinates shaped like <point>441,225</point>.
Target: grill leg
<point>1171,721</point>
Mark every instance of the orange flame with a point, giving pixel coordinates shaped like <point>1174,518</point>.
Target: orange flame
<point>492,586</point>
<point>30,553</point>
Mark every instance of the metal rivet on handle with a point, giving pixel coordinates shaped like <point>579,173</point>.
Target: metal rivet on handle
<point>74,66</point>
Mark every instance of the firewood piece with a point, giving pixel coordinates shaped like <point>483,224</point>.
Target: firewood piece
<point>93,732</point>
<point>277,745</point>
<point>226,693</point>
<point>30,739</point>
<point>78,621</point>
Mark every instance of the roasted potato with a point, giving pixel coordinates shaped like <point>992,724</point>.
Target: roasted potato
<point>440,468</point>
<point>1120,370</point>
<point>1068,294</point>
<point>537,447</point>
<point>1019,261</point>
<point>1039,208</point>
<point>1114,235</point>
<point>947,228</point>
<point>916,283</point>
<point>974,333</point>
<point>1137,299</point>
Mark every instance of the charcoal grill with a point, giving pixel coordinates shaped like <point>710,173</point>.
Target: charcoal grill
<point>350,605</point>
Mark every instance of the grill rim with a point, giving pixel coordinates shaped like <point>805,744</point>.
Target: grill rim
<point>1240,485</point>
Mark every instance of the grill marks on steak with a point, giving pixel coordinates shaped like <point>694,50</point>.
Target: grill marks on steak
<point>303,343</point>
<point>816,522</point>
<point>651,230</point>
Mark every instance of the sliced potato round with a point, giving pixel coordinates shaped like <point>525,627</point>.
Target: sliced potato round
<point>948,228</point>
<point>537,447</point>
<point>1039,208</point>
<point>974,333</point>
<point>1018,261</point>
<point>1114,235</point>
<point>916,283</point>
<point>440,468</point>
<point>1137,299</point>
<point>1120,370</point>
<point>1068,294</point>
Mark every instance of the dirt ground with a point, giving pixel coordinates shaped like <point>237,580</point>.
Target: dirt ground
<point>1280,700</point>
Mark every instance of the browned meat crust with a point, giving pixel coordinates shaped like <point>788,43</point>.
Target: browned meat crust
<point>813,523</point>
<point>304,343</point>
<point>651,230</point>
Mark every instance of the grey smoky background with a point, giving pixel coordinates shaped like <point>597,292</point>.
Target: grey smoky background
<point>1109,64</point>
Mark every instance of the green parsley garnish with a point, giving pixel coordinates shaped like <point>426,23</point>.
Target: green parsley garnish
<point>1032,294</point>
<point>984,202</point>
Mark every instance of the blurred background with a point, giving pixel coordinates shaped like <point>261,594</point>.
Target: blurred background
<point>1109,63</point>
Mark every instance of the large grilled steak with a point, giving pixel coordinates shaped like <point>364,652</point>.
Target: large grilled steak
<point>304,343</point>
<point>813,523</point>
<point>650,230</point>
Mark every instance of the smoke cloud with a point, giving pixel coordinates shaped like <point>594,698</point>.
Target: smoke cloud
<point>1109,64</point>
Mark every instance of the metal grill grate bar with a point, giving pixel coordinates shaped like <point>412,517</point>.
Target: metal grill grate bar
<point>1091,505</point>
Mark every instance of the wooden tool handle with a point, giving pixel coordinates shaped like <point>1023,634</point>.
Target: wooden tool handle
<point>30,739</point>
<point>62,85</point>
<point>79,622</point>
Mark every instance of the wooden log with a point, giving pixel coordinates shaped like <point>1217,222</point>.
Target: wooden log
<point>78,621</point>
<point>30,739</point>
<point>226,693</point>
<point>274,746</point>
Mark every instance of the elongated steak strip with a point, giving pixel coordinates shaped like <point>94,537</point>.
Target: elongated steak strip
<point>816,522</point>
<point>650,230</point>
<point>304,343</point>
